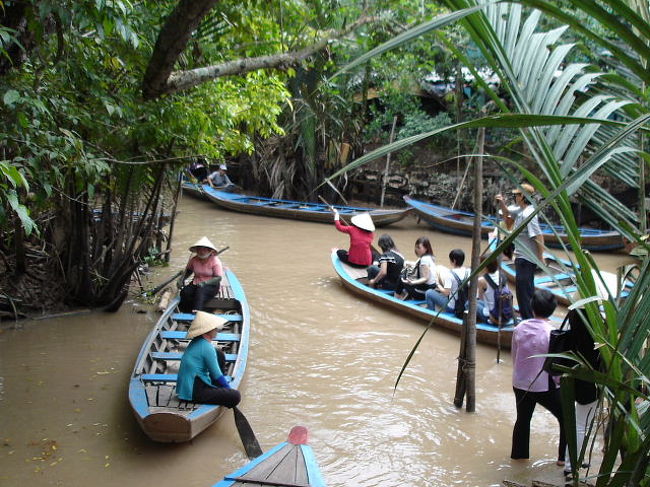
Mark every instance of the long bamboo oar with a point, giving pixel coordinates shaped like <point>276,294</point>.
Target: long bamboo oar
<point>248,439</point>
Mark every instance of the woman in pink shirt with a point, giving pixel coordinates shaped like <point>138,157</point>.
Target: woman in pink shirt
<point>530,383</point>
<point>361,234</point>
<point>207,270</point>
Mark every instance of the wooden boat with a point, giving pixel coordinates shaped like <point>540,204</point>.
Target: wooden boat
<point>291,464</point>
<point>561,279</point>
<point>352,279</point>
<point>461,223</point>
<point>296,210</point>
<point>152,390</point>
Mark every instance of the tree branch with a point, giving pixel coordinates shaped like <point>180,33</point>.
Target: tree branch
<point>159,79</point>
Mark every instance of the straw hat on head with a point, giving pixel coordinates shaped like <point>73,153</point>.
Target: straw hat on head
<point>202,242</point>
<point>363,221</point>
<point>203,323</point>
<point>526,187</point>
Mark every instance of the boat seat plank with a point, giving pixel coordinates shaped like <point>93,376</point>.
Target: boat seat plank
<point>165,377</point>
<point>555,277</point>
<point>182,335</point>
<point>230,357</point>
<point>186,317</point>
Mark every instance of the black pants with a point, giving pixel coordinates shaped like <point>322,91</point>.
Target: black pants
<point>413,292</point>
<point>193,297</point>
<point>222,396</point>
<point>526,402</point>
<point>525,286</point>
<point>385,283</point>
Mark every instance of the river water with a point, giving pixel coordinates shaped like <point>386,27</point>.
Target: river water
<point>319,357</point>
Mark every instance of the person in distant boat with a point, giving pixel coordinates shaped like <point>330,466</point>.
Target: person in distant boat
<point>528,245</point>
<point>443,296</point>
<point>199,169</point>
<point>387,273</point>
<point>425,278</point>
<point>530,383</point>
<point>361,234</point>
<point>200,377</point>
<point>219,179</point>
<point>208,271</point>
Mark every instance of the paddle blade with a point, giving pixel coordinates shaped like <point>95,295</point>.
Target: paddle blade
<point>251,445</point>
<point>299,435</point>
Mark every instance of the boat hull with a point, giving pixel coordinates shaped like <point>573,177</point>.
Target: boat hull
<point>461,223</point>
<point>294,210</point>
<point>485,333</point>
<point>152,389</point>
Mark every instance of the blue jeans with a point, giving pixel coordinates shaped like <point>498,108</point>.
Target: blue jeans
<point>436,298</point>
<point>525,286</point>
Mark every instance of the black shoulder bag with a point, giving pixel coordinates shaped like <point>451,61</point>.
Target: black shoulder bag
<point>560,341</point>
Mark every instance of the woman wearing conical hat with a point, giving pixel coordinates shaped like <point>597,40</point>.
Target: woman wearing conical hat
<point>361,234</point>
<point>208,271</point>
<point>200,378</point>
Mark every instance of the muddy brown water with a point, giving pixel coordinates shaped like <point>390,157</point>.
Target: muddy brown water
<point>319,357</point>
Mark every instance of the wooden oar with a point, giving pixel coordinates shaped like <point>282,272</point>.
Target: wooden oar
<point>251,445</point>
<point>155,290</point>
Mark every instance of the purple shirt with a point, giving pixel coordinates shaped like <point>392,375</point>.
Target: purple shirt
<point>530,338</point>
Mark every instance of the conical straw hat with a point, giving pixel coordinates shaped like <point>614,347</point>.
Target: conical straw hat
<point>203,323</point>
<point>203,242</point>
<point>363,221</point>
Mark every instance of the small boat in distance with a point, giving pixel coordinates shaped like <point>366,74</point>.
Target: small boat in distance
<point>152,389</point>
<point>291,463</point>
<point>352,279</point>
<point>295,210</point>
<point>461,223</point>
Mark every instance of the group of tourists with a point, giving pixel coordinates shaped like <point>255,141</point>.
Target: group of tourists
<point>440,288</point>
<point>217,179</point>
<point>436,284</point>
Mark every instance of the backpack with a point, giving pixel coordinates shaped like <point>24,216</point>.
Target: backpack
<point>462,294</point>
<point>502,311</point>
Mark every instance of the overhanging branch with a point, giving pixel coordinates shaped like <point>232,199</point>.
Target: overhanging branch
<point>159,80</point>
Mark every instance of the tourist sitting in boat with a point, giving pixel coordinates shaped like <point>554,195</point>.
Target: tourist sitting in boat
<point>486,303</point>
<point>425,277</point>
<point>200,377</point>
<point>443,297</point>
<point>219,179</point>
<point>387,273</point>
<point>361,234</point>
<point>199,169</point>
<point>208,271</point>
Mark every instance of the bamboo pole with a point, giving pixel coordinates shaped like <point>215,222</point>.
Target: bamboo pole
<point>385,178</point>
<point>467,357</point>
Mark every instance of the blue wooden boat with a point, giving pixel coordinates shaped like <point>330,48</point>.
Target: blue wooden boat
<point>354,280</point>
<point>559,278</point>
<point>295,210</point>
<point>461,223</point>
<point>291,463</point>
<point>152,389</point>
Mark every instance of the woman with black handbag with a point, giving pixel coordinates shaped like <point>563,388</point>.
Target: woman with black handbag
<point>531,384</point>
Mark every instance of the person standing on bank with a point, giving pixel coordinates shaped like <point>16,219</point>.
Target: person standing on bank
<point>208,271</point>
<point>529,242</point>
<point>361,234</point>
<point>386,275</point>
<point>530,383</point>
<point>200,377</point>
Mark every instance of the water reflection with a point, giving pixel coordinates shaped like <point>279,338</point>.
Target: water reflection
<point>319,357</point>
